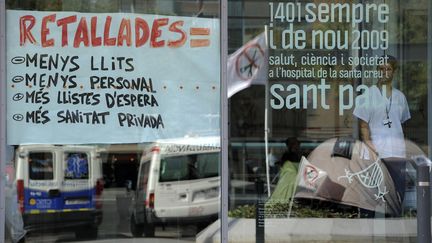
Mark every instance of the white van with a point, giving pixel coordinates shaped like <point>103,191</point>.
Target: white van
<point>59,188</point>
<point>178,182</point>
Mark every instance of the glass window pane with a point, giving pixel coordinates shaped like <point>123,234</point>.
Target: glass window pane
<point>328,116</point>
<point>92,87</point>
<point>41,166</point>
<point>76,166</point>
<point>190,167</point>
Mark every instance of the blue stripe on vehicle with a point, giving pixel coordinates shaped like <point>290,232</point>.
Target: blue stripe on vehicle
<point>40,200</point>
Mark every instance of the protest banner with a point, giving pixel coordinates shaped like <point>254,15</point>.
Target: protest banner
<point>77,78</point>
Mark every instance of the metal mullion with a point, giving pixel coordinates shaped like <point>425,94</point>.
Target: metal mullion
<point>224,120</point>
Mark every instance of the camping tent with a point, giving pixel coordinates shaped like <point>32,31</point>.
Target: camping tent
<point>346,171</point>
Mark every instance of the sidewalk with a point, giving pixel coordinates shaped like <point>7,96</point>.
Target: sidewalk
<point>316,230</point>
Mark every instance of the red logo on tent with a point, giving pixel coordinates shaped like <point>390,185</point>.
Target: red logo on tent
<point>310,175</point>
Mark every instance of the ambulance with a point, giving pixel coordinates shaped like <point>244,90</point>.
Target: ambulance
<point>178,182</point>
<point>59,188</point>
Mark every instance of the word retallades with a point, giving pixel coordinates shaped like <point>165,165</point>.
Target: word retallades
<point>51,31</point>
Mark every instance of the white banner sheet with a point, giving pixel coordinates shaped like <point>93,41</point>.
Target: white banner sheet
<point>75,78</point>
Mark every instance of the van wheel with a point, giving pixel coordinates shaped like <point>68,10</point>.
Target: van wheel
<point>137,230</point>
<point>149,230</point>
<point>90,232</point>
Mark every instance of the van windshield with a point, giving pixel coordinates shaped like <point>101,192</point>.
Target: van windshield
<point>189,167</point>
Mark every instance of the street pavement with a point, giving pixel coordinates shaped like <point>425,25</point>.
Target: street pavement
<point>115,225</point>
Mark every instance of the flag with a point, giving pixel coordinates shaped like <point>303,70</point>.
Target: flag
<point>248,65</point>
<point>310,175</point>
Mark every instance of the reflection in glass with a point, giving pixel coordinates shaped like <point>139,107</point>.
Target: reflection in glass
<point>189,167</point>
<point>41,166</point>
<point>99,205</point>
<point>76,166</point>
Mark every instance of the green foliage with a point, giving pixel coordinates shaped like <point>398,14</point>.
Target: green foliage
<point>311,209</point>
<point>298,210</point>
<point>244,211</point>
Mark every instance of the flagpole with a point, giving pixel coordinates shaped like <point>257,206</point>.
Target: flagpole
<point>266,129</point>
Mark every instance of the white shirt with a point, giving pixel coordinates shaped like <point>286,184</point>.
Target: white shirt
<point>372,108</point>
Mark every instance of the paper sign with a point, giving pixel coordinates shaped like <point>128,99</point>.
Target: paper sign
<point>76,78</point>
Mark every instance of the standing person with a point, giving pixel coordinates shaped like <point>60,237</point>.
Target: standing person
<point>293,152</point>
<point>289,163</point>
<point>381,116</point>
